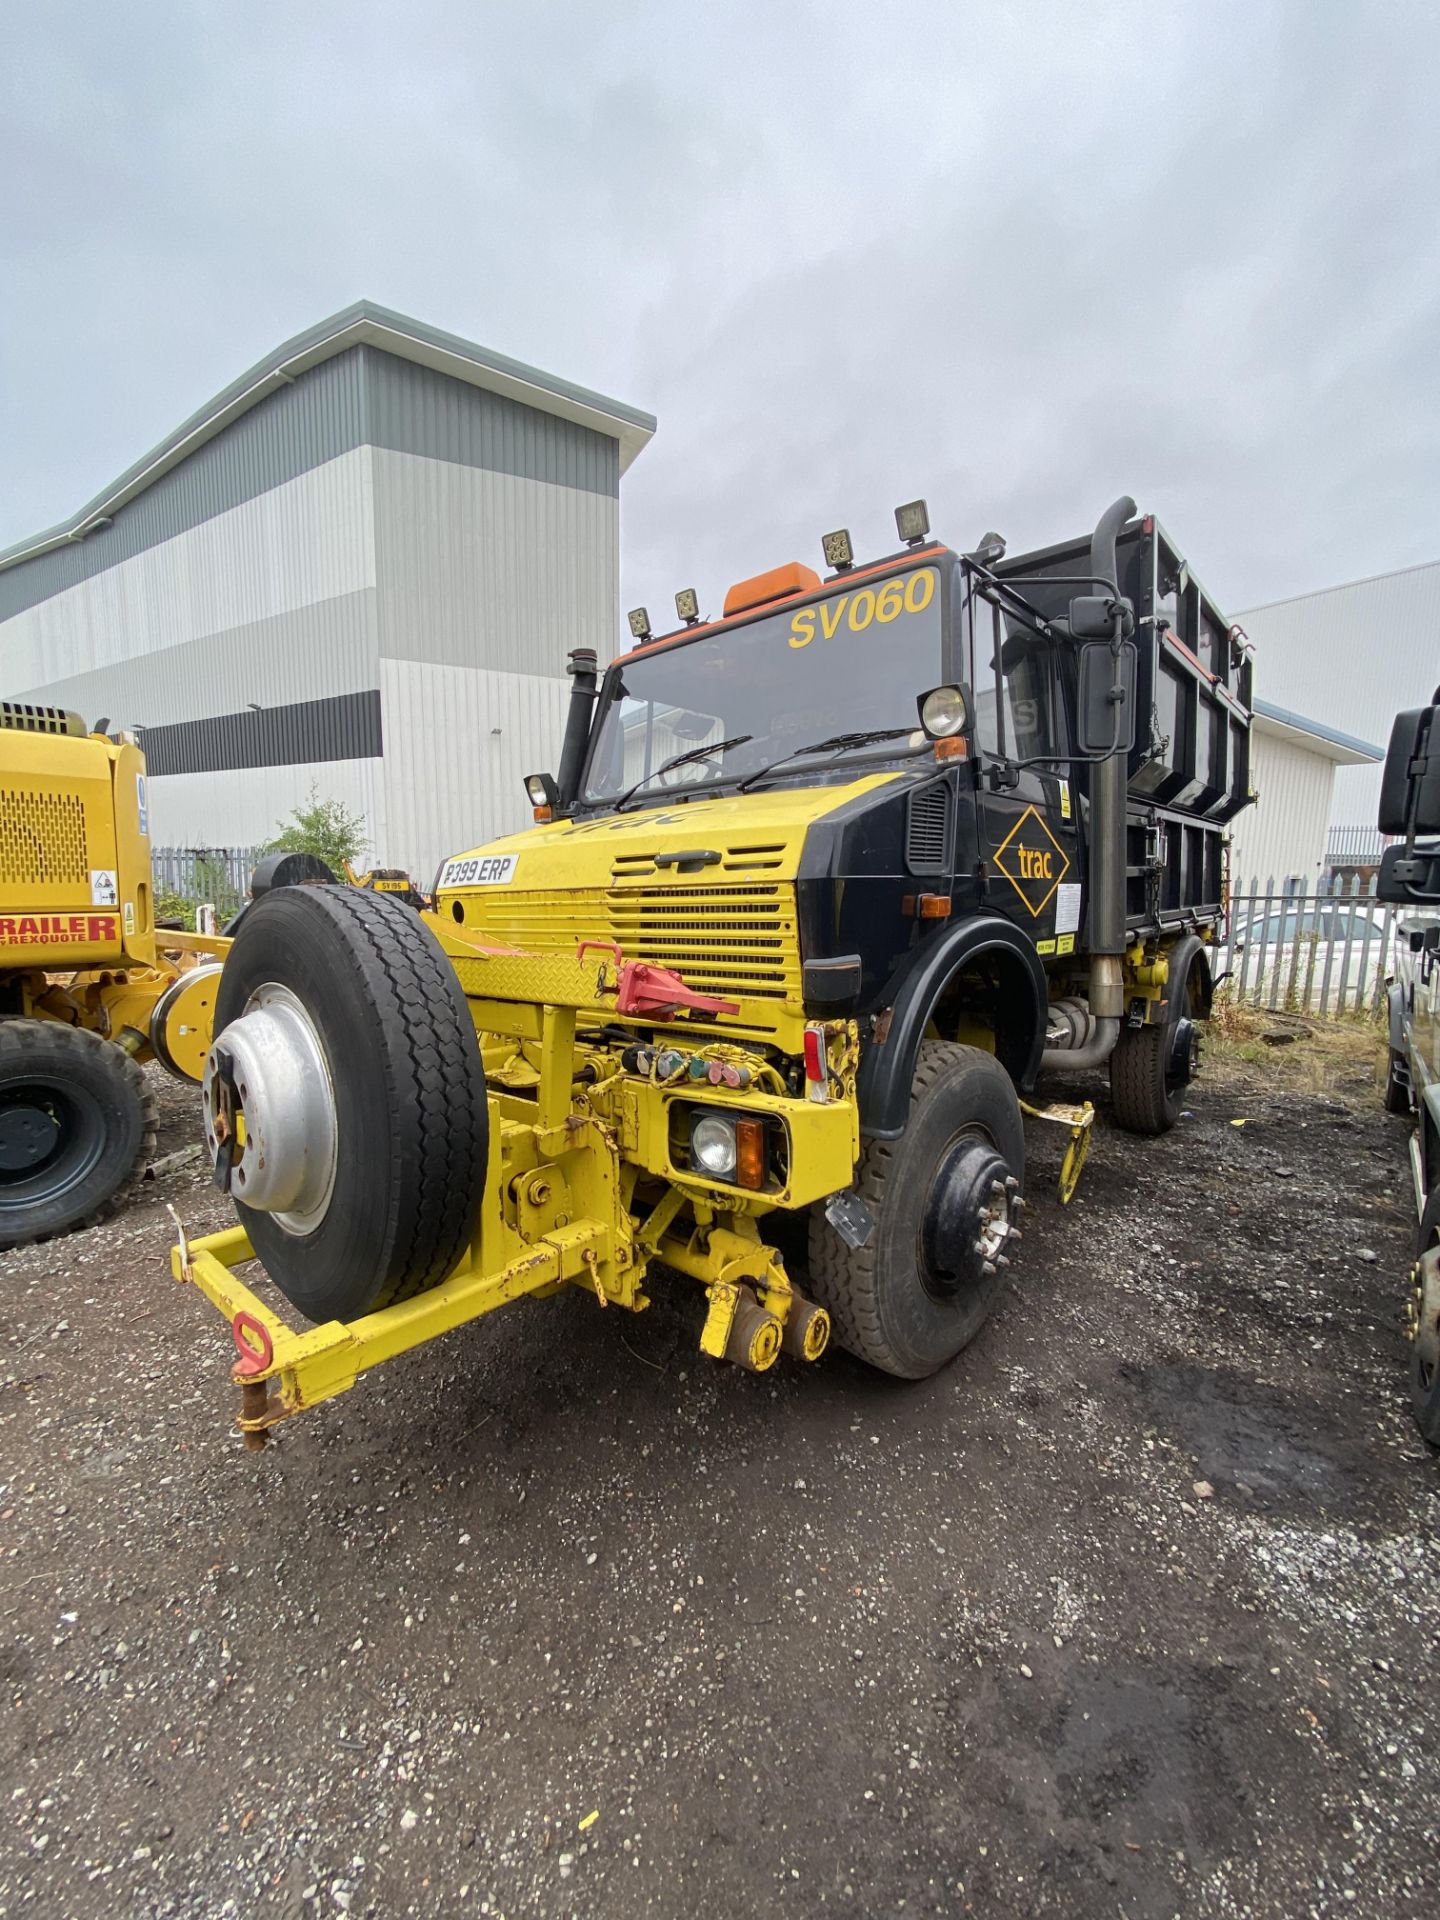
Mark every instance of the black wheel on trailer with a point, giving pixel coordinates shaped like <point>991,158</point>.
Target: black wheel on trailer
<point>77,1129</point>
<point>944,1198</point>
<point>1152,1067</point>
<point>1425,1329</point>
<point>343,1040</point>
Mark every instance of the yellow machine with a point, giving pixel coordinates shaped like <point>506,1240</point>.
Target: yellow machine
<point>820,889</point>
<point>86,993</point>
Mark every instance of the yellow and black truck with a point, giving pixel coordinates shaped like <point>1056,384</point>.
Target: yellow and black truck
<point>820,891</point>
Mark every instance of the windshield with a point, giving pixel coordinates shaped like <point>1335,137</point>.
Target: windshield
<point>853,663</point>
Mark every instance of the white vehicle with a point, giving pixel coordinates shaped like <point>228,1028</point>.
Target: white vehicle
<point>1330,952</point>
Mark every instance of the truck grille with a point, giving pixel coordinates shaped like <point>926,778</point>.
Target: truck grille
<point>42,840</point>
<point>737,941</point>
<point>927,829</point>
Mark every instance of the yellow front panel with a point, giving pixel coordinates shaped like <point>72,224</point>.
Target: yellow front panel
<point>728,926</point>
<point>59,890</point>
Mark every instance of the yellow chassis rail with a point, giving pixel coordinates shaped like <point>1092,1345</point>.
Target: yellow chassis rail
<point>314,1366</point>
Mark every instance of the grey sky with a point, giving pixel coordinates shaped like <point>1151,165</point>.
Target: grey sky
<point>1016,258</point>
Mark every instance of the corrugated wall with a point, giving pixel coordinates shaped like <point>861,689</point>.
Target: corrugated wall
<point>373,508</point>
<point>458,744</point>
<point>1283,834</point>
<point>1352,657</point>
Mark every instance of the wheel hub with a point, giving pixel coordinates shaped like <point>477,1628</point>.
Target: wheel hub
<point>269,1100</point>
<point>29,1134</point>
<point>1184,1051</point>
<point>969,1217</point>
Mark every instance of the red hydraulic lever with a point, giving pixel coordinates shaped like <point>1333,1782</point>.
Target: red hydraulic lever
<point>653,993</point>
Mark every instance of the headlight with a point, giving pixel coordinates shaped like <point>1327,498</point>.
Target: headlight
<point>942,712</point>
<point>712,1145</point>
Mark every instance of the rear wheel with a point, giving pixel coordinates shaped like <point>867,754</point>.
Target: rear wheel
<point>1152,1067</point>
<point>1425,1329</point>
<point>944,1198</point>
<point>345,1048</point>
<point>77,1129</point>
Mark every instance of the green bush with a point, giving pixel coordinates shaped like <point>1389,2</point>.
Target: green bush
<point>326,828</point>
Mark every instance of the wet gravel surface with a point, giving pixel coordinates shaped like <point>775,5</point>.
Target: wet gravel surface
<point>1132,1611</point>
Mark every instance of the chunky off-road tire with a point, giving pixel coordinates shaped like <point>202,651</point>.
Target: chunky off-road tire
<point>77,1129</point>
<point>1147,1093</point>
<point>881,1307</point>
<point>408,1090</point>
<point>1425,1373</point>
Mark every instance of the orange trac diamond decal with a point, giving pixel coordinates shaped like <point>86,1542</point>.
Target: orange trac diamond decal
<point>1033,861</point>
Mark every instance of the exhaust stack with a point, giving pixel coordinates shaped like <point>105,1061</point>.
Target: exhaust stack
<point>584,675</point>
<point>1109,784</point>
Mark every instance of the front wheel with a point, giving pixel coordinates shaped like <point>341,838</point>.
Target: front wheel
<point>944,1198</point>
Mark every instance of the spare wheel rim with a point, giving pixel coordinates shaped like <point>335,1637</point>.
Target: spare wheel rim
<point>284,1095</point>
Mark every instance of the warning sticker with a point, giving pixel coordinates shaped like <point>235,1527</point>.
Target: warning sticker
<point>1033,861</point>
<point>1067,907</point>
<point>104,887</point>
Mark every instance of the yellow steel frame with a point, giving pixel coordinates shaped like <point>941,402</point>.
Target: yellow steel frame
<point>567,1155</point>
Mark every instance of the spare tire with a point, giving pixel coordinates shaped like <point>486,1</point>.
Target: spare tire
<point>344,1041</point>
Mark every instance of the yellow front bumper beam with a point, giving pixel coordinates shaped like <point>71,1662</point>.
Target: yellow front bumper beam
<point>316,1365</point>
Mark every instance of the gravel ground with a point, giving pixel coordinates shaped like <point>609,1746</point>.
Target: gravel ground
<point>1132,1611</point>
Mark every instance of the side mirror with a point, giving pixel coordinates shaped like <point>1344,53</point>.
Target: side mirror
<point>1412,775</point>
<point>1409,879</point>
<point>1105,710</point>
<point>1092,617</point>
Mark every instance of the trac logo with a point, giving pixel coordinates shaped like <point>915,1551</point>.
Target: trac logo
<point>59,930</point>
<point>1033,861</point>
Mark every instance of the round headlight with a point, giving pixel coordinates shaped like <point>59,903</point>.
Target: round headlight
<point>942,712</point>
<point>712,1145</point>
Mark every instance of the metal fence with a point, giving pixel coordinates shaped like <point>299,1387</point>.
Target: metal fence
<point>1356,846</point>
<point>1322,952</point>
<point>219,875</point>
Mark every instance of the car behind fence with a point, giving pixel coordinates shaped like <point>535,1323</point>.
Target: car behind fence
<point>1322,952</point>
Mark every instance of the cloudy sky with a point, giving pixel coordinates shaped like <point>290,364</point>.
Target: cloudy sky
<point>1018,258</point>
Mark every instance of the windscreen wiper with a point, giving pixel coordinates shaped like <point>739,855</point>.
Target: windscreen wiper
<point>837,743</point>
<point>682,760</point>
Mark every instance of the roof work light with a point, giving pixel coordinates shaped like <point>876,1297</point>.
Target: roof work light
<point>639,623</point>
<point>912,522</point>
<point>687,605</point>
<point>837,549</point>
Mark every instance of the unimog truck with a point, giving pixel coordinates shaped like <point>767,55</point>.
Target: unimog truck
<point>821,889</point>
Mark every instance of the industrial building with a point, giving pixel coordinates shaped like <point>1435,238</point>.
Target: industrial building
<point>360,569</point>
<point>1351,657</point>
<point>1294,765</point>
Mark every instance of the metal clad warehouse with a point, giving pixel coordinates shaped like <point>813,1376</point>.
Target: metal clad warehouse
<point>359,568</point>
<point>1351,657</point>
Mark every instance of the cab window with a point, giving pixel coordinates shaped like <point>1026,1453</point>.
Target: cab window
<point>1016,710</point>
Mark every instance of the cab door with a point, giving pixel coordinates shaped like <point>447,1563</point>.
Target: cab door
<point>1028,816</point>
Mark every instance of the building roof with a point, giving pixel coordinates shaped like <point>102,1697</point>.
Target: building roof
<point>1342,748</point>
<point>363,324</point>
<point>1339,586</point>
